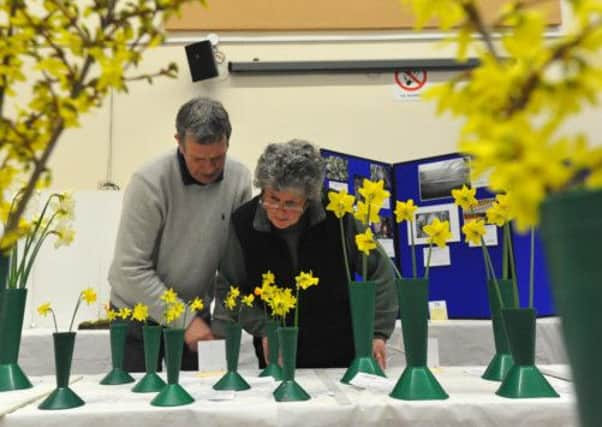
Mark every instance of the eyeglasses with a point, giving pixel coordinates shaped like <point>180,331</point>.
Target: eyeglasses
<point>288,206</point>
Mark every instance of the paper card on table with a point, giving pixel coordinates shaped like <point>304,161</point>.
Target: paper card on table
<point>438,310</point>
<point>439,256</point>
<point>490,236</point>
<point>260,381</point>
<point>432,353</point>
<point>220,395</point>
<point>212,355</point>
<point>372,382</point>
<point>338,186</point>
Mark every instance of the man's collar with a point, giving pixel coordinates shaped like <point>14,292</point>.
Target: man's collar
<point>188,179</point>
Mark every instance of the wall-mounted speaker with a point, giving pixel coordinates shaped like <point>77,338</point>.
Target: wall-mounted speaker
<point>201,60</point>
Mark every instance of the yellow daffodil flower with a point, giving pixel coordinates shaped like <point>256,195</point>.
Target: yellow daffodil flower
<point>268,278</point>
<point>169,296</point>
<point>496,215</point>
<point>197,304</point>
<point>374,193</point>
<point>248,300</point>
<point>140,312</point>
<point>44,309</point>
<point>305,280</point>
<point>465,197</point>
<point>404,211</point>
<point>474,231</point>
<point>340,203</point>
<point>365,241</point>
<point>282,302</point>
<point>234,291</point>
<point>363,209</point>
<point>89,295</point>
<point>230,302</point>
<point>257,291</point>
<point>125,312</point>
<point>438,232</point>
<point>111,314</point>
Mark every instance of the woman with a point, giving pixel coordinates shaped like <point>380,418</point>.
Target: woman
<point>285,229</point>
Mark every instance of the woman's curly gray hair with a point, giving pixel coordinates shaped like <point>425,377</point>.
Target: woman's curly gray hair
<point>295,164</point>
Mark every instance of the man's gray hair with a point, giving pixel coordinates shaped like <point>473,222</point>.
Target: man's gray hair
<point>205,119</point>
<point>296,165</point>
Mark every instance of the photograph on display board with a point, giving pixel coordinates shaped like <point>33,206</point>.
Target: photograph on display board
<point>337,168</point>
<point>378,172</point>
<point>426,214</point>
<point>358,181</point>
<point>384,228</point>
<point>436,180</point>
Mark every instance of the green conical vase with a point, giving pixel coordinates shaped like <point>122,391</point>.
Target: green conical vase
<point>12,309</point>
<point>62,397</point>
<point>173,394</point>
<point>523,380</point>
<point>232,379</point>
<point>289,390</point>
<point>273,369</point>
<point>501,362</point>
<point>150,382</point>
<point>361,296</point>
<point>571,228</point>
<point>118,332</point>
<point>417,382</point>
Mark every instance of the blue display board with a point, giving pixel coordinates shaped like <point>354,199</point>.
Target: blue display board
<point>429,181</point>
<point>462,283</point>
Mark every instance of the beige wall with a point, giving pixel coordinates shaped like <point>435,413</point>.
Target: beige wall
<point>352,113</point>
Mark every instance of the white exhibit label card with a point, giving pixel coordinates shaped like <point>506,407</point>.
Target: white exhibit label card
<point>439,256</point>
<point>438,310</point>
<point>212,355</point>
<point>372,382</point>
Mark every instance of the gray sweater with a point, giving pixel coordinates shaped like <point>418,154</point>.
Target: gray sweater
<point>173,235</point>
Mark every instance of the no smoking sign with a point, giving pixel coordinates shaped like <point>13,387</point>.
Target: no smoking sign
<point>409,82</point>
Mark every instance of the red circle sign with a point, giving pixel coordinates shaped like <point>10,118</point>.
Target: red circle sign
<point>410,80</point>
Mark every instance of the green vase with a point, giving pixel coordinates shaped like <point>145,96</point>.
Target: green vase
<point>523,380</point>
<point>62,397</point>
<point>289,390</point>
<point>273,369</point>
<point>118,332</point>
<point>173,394</point>
<point>232,379</point>
<point>361,296</point>
<point>151,381</point>
<point>501,362</point>
<point>571,226</point>
<point>12,309</point>
<point>417,382</point>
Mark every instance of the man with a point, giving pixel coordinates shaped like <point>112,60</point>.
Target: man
<point>174,224</point>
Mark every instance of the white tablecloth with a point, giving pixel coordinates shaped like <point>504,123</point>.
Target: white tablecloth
<point>472,402</point>
<point>460,342</point>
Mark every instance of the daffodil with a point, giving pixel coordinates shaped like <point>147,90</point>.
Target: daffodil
<point>46,308</point>
<point>282,302</point>
<point>169,296</point>
<point>438,232</point>
<point>140,312</point>
<point>305,280</point>
<point>365,241</point>
<point>404,211</point>
<point>111,314</point>
<point>89,295</point>
<point>374,192</point>
<point>197,304</point>
<point>268,278</point>
<point>496,215</point>
<point>124,313</point>
<point>340,203</point>
<point>465,197</point>
<point>474,231</point>
<point>366,213</point>
<point>248,300</point>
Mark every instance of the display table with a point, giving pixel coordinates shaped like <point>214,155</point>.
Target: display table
<point>460,342</point>
<point>472,402</point>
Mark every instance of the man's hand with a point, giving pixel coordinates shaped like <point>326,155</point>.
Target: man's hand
<point>379,351</point>
<point>197,330</point>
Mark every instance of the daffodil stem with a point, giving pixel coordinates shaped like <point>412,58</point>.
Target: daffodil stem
<point>297,308</point>
<point>508,240</point>
<point>56,327</point>
<point>505,249</point>
<point>344,250</point>
<point>428,261</point>
<point>413,249</point>
<point>532,269</point>
<point>496,284</point>
<point>79,301</point>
